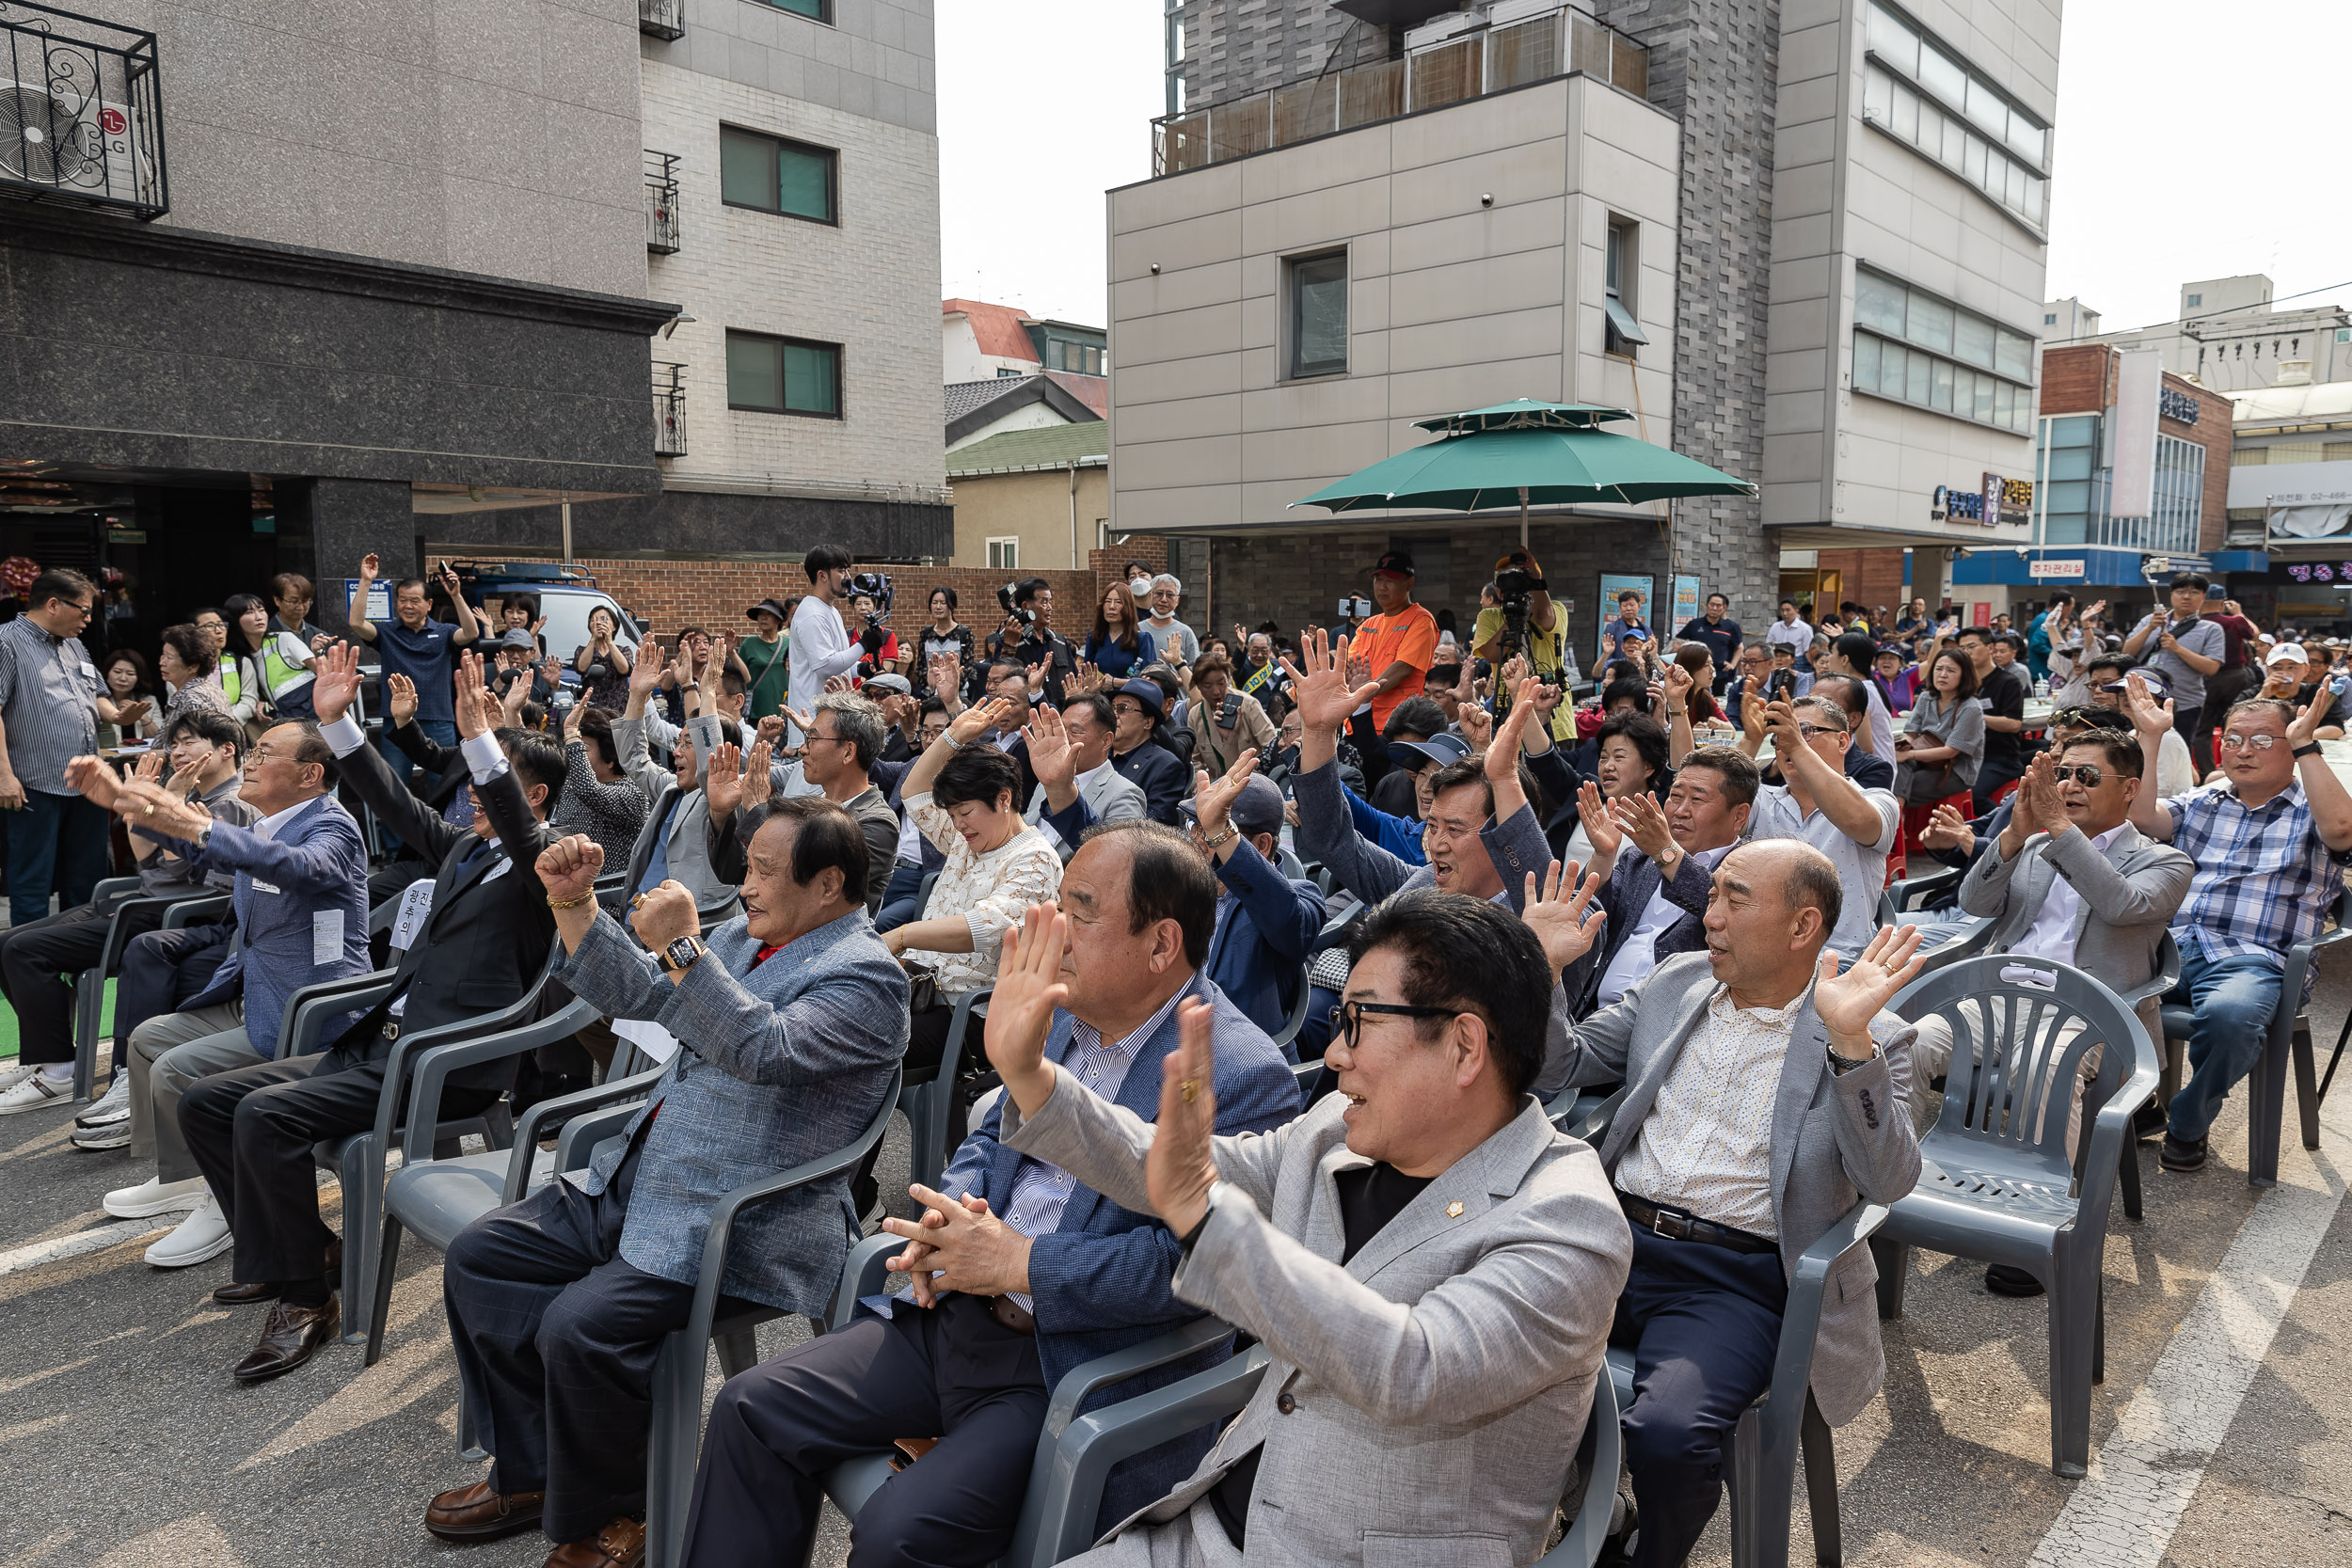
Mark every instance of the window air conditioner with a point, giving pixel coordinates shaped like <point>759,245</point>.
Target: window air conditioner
<point>83,147</point>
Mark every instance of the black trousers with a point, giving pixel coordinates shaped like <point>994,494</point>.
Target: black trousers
<point>2189,725</point>
<point>1703,1322</point>
<point>556,1339</point>
<point>38,962</point>
<point>951,1372</point>
<point>162,970</point>
<point>251,1130</point>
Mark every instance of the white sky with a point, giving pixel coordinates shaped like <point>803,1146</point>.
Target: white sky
<point>2194,140</point>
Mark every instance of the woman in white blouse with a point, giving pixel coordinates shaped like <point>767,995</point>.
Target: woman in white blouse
<point>963,793</point>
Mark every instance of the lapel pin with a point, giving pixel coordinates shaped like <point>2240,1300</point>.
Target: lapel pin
<point>1454,1210</point>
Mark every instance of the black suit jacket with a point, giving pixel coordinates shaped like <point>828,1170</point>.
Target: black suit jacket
<point>486,939</point>
<point>1633,881</point>
<point>1152,768</point>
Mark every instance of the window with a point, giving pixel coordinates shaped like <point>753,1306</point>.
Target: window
<point>2049,318</point>
<point>2192,301</point>
<point>1318,312</point>
<point>816,10</point>
<point>782,375</point>
<point>771,175</point>
<point>1004,555</point>
<point>1917,93</point>
<point>1069,354</point>
<point>2343,334</point>
<point>1621,260</point>
<point>1919,348</point>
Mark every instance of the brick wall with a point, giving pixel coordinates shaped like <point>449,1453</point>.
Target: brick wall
<point>2077,379</point>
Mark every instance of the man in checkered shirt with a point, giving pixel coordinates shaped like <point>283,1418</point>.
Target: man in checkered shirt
<point>2271,842</point>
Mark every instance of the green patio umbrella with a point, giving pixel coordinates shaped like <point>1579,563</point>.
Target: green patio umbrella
<point>1523,452</point>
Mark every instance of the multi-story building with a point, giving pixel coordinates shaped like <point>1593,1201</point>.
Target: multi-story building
<point>2229,336</point>
<point>2130,481</point>
<point>1803,242</point>
<point>385,279</point>
<point>2290,498</point>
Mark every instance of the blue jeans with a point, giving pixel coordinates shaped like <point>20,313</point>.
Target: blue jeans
<point>56,840</point>
<point>2235,999</point>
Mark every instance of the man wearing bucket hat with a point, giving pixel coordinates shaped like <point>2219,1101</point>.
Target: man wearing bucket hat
<point>1137,710</point>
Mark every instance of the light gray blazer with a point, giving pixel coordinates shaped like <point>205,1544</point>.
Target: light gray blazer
<point>1837,1137</point>
<point>2127,898</point>
<point>1424,1401</point>
<point>1110,796</point>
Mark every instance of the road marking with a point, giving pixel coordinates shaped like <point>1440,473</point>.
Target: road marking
<point>2124,1513</point>
<point>75,1244</point>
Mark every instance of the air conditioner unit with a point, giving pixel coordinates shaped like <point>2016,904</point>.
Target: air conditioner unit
<point>82,147</point>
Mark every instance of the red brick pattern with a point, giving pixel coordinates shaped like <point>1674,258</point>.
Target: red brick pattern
<point>716,594</point>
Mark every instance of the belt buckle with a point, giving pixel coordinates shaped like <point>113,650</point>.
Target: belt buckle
<point>1673,1226</point>
<point>391,1029</point>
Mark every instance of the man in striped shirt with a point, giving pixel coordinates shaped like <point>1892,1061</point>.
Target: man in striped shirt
<point>2270,842</point>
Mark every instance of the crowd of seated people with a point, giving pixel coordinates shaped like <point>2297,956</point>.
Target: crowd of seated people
<point>1183,874</point>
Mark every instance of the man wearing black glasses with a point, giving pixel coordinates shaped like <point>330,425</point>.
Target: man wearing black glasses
<point>2070,881</point>
<point>1854,827</point>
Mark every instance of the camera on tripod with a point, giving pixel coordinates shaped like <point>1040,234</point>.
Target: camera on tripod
<point>874,586</point>
<point>1516,578</point>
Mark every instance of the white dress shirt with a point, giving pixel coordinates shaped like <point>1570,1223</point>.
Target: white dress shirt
<point>2051,937</point>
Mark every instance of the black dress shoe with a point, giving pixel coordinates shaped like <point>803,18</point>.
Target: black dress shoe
<point>2006,1279</point>
<point>238,1295</point>
<point>291,1336</point>
<point>2148,1121</point>
<point>2181,1154</point>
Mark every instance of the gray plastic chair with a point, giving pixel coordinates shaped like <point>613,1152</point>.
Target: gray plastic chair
<point>90,986</point>
<point>931,1107</point>
<point>2289,1043</point>
<point>1298,1019</point>
<point>1760,1461</point>
<point>2168,975</point>
<point>1997,1181</point>
<point>1969,934</point>
<point>683,1363</point>
<point>1909,895</point>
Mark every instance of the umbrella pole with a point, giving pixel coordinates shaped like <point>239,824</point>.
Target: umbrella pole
<point>1522,517</point>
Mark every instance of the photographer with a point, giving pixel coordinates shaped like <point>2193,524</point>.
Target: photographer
<point>821,646</point>
<point>1524,620</point>
<point>876,644</point>
<point>2184,648</point>
<point>1027,634</point>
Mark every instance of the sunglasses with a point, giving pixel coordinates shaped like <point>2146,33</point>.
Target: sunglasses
<point>2246,743</point>
<point>1348,1017</point>
<point>2082,773</point>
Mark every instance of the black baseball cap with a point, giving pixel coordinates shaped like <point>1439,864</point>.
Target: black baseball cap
<point>1396,564</point>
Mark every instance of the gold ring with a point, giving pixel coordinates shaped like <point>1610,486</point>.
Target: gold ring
<point>151,810</point>
<point>638,902</point>
<point>1190,1088</point>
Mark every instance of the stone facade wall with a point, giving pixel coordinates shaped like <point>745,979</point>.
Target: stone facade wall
<point>1234,48</point>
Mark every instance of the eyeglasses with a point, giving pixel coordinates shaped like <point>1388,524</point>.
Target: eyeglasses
<point>2246,743</point>
<point>1347,1019</point>
<point>2082,773</point>
<point>1809,731</point>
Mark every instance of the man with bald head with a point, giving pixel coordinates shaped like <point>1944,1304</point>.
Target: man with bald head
<point>1724,1186</point>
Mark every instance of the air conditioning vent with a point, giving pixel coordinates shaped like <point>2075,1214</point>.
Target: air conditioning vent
<point>80,119</point>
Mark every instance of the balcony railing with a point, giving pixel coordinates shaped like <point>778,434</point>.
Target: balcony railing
<point>81,118</point>
<point>662,202</point>
<point>661,19</point>
<point>669,410</point>
<point>1470,65</point>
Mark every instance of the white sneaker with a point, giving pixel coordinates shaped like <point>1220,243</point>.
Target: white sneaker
<point>201,1237</point>
<point>114,1105</point>
<point>107,1134</point>
<point>16,1075</point>
<point>37,1092</point>
<point>154,1196</point>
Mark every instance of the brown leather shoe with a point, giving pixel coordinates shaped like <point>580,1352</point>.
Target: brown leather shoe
<point>266,1290</point>
<point>619,1545</point>
<point>291,1337</point>
<point>477,1513</point>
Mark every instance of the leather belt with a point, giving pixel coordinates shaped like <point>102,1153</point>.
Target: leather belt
<point>1011,1317</point>
<point>1680,1224</point>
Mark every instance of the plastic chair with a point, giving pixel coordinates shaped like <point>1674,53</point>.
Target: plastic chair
<point>679,1369</point>
<point>1998,1181</point>
<point>2288,1041</point>
<point>931,1107</point>
<point>1286,861</point>
<point>1760,1461</point>
<point>2168,975</point>
<point>1298,1019</point>
<point>90,986</point>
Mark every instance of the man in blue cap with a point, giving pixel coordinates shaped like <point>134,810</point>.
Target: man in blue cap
<point>1136,708</point>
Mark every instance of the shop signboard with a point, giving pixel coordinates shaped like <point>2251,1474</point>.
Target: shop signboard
<point>2052,571</point>
<point>1615,583</point>
<point>2008,500</point>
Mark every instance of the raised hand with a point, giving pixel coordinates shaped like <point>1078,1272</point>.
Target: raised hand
<point>399,698</point>
<point>2149,717</point>
<point>1847,1003</point>
<point>644,676</point>
<point>659,917</point>
<point>1947,830</point>
<point>1049,750</point>
<point>472,703</point>
<point>2037,799</point>
<point>723,782</point>
<point>1675,683</point>
<point>370,567</point>
<point>336,685</point>
<point>1021,1013</point>
<point>1180,1166</point>
<point>1752,707</point>
<point>1215,798</point>
<point>997,713</point>
<point>839,683</point>
<point>1559,909</point>
<point>2311,716</point>
<point>1503,752</point>
<point>801,722</point>
<point>944,672</point>
<point>759,782</point>
<point>569,867</point>
<point>93,779</point>
<point>1477,726</point>
<point>1600,823</point>
<point>1320,688</point>
<point>151,765</point>
<point>1643,820</point>
<point>1089,678</point>
<point>572,717</point>
<point>771,729</point>
<point>1037,680</point>
<point>511,701</point>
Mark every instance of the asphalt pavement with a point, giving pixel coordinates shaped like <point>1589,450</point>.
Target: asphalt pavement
<point>2222,1435</point>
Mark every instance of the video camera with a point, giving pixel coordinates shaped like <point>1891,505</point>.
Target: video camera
<point>1020,612</point>
<point>1513,584</point>
<point>874,586</point>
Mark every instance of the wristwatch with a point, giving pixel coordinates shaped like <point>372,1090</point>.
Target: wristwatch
<point>682,955</point>
<point>2309,748</point>
<point>1217,840</point>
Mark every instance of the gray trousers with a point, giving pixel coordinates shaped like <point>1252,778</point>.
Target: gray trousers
<point>169,1053</point>
<point>1195,1539</point>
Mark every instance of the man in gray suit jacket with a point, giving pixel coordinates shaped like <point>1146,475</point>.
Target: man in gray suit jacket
<point>1431,1266</point>
<point>1726,1186</point>
<point>1084,777</point>
<point>2070,881</point>
<point>790,1022</point>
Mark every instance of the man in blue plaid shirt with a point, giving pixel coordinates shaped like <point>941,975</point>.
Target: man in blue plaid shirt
<point>2271,842</point>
